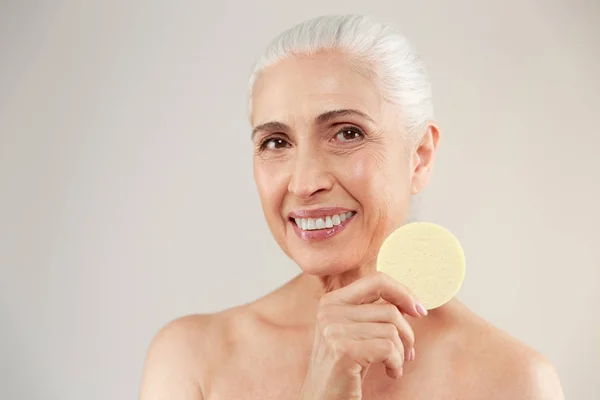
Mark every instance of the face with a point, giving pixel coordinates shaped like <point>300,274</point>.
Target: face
<point>332,163</point>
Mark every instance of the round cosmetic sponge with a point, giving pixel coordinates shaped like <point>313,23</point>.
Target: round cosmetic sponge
<point>427,259</point>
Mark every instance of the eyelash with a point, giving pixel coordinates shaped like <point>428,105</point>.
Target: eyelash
<point>354,129</point>
<point>351,128</point>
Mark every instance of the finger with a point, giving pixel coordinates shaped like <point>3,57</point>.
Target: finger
<point>371,351</point>
<point>368,331</point>
<point>373,287</point>
<point>381,313</point>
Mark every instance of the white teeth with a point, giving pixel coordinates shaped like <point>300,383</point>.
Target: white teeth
<point>329,221</point>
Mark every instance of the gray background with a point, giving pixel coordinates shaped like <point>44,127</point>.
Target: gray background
<point>127,197</point>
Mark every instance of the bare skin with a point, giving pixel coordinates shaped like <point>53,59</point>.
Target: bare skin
<point>325,138</point>
<point>261,351</point>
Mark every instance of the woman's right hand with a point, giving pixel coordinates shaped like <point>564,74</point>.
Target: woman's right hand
<point>354,330</point>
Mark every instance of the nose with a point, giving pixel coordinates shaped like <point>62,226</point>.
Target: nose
<point>310,175</point>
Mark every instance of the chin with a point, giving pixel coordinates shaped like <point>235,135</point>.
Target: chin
<point>318,264</point>
<point>327,252</point>
<point>324,269</point>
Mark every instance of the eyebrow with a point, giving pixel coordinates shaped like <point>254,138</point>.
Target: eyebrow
<point>320,120</point>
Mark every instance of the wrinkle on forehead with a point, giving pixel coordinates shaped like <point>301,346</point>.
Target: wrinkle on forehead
<point>301,88</point>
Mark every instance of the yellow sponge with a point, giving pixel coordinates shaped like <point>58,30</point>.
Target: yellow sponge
<point>427,259</point>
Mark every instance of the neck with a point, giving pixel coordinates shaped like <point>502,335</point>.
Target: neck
<point>329,283</point>
<point>307,290</point>
<point>322,284</point>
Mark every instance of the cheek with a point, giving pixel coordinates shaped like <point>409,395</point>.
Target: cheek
<point>375,173</point>
<point>380,184</point>
<point>269,184</point>
<point>362,173</point>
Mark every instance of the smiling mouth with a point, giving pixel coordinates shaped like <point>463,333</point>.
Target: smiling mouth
<point>325,222</point>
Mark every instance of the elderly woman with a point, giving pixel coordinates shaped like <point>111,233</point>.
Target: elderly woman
<point>343,135</point>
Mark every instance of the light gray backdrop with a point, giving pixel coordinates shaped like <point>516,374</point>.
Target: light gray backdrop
<point>127,197</point>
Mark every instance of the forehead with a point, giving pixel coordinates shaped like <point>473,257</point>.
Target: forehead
<point>297,89</point>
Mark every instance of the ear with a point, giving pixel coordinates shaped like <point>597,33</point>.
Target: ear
<point>423,157</point>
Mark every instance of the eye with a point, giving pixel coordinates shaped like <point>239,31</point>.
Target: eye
<point>274,144</point>
<point>349,133</point>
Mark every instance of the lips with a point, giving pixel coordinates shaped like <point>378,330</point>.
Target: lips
<point>320,224</point>
<point>324,222</point>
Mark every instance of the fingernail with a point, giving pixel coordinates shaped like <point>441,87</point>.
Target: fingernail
<point>401,372</point>
<point>420,309</point>
<point>411,357</point>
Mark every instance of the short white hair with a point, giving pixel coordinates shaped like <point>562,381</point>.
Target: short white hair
<point>388,55</point>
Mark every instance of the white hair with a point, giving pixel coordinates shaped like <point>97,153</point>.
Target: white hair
<point>385,52</point>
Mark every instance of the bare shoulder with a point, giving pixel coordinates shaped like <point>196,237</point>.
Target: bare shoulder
<point>503,367</point>
<point>517,371</point>
<point>186,353</point>
<point>179,355</point>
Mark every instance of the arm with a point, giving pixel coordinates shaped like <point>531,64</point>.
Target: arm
<point>172,366</point>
